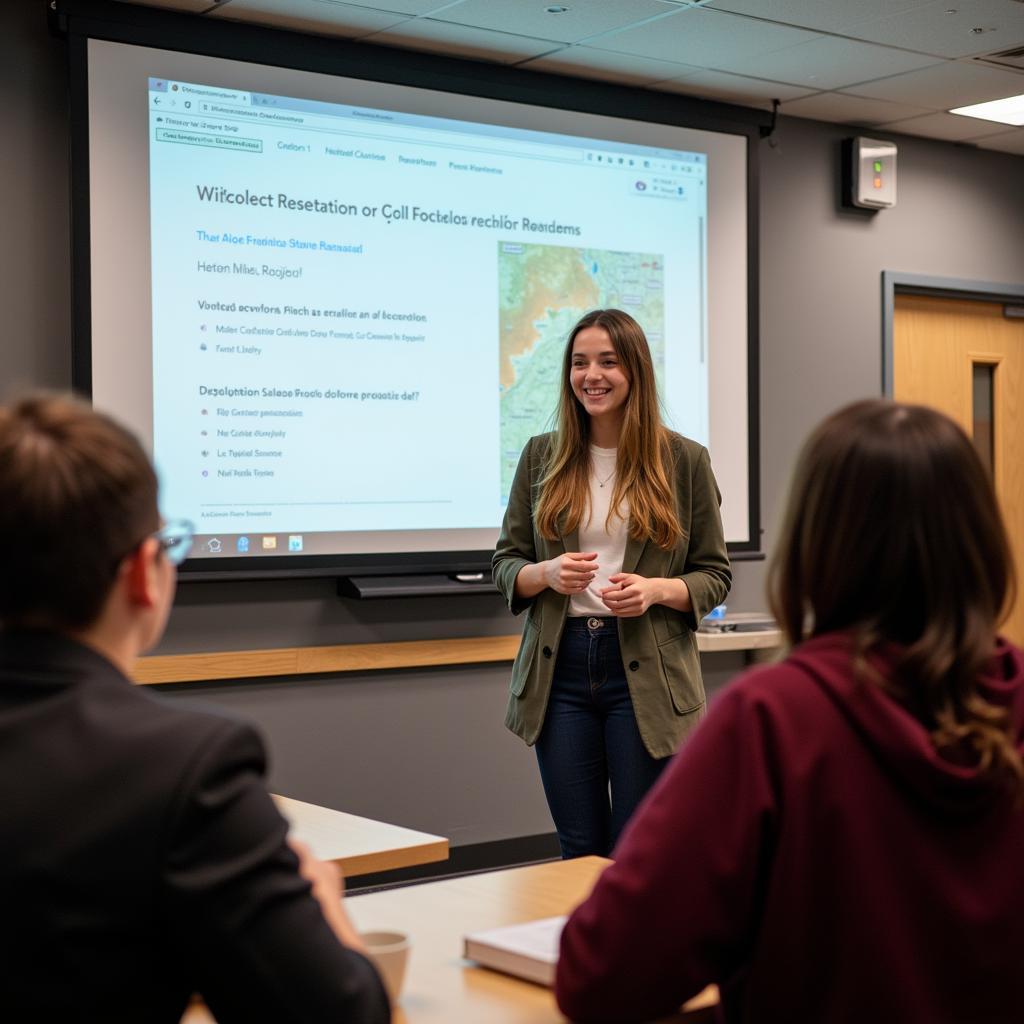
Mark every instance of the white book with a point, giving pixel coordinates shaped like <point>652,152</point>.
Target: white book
<point>527,950</point>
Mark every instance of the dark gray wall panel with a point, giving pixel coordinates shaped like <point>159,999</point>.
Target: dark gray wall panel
<point>35,240</point>
<point>424,749</point>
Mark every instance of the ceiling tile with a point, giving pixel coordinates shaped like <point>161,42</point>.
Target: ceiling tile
<point>841,108</point>
<point>582,19</point>
<point>718,85</point>
<point>950,28</point>
<point>459,41</point>
<point>610,67</point>
<point>946,126</point>
<point>1008,142</point>
<point>946,85</point>
<point>189,6</point>
<point>832,63</point>
<point>703,38</point>
<point>399,6</point>
<point>348,20</point>
<point>826,15</point>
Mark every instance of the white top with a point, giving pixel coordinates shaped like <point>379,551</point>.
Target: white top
<point>610,543</point>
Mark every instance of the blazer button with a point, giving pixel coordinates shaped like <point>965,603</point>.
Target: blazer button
<point>547,652</point>
<point>634,665</point>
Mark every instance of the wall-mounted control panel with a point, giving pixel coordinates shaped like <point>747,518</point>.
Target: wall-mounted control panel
<point>869,173</point>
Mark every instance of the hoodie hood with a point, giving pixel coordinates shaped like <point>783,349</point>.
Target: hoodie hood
<point>898,739</point>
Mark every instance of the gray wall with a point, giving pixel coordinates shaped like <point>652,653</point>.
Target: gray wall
<point>960,213</point>
<point>35,259</point>
<point>427,748</point>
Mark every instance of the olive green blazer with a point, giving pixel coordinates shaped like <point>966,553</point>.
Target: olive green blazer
<point>659,649</point>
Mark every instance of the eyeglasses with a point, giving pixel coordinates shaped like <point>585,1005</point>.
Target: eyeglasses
<point>175,540</point>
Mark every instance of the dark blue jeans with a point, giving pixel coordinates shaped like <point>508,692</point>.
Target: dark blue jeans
<point>593,763</point>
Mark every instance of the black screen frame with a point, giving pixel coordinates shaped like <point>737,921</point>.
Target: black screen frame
<point>80,20</point>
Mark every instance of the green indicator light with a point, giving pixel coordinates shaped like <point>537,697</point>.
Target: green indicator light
<point>878,167</point>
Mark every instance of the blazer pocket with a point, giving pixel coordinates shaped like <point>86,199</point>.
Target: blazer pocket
<point>682,673</point>
<point>525,658</point>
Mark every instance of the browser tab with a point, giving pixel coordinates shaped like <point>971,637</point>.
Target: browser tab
<point>207,92</point>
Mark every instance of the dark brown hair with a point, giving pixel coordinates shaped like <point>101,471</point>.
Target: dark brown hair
<point>893,532</point>
<point>77,494</point>
<point>644,460</point>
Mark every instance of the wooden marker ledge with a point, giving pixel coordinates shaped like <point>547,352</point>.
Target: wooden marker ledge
<point>283,662</point>
<point>298,661</point>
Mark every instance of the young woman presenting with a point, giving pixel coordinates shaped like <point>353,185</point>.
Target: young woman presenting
<point>612,542</point>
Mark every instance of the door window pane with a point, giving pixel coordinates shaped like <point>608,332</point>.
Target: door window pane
<point>984,429</point>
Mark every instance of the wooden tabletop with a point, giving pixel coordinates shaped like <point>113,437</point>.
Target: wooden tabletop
<point>360,846</point>
<point>441,987</point>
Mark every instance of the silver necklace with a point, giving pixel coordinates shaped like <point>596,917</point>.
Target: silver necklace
<point>600,482</point>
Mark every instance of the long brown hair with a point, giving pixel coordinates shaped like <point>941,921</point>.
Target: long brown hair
<point>644,460</point>
<point>893,532</point>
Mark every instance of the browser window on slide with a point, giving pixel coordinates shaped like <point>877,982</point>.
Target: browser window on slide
<point>358,315</point>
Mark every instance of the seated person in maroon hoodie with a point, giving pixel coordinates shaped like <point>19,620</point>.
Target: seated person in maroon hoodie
<point>843,837</point>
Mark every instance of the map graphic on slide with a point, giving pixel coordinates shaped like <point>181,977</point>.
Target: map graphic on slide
<point>544,290</point>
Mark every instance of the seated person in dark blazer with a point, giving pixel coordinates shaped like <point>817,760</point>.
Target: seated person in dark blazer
<point>141,858</point>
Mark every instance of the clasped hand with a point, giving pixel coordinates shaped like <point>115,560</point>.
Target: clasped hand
<point>628,596</point>
<point>572,572</point>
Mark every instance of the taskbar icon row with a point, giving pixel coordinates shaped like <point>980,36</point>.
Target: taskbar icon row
<point>269,543</point>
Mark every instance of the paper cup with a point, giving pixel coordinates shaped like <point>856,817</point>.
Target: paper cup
<point>389,952</point>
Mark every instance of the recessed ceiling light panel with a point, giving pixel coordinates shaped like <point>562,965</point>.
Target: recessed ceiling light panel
<point>1009,110</point>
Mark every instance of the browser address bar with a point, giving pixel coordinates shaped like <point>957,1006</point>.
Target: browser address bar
<point>389,132</point>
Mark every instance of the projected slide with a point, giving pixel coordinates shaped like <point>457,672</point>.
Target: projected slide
<point>359,314</point>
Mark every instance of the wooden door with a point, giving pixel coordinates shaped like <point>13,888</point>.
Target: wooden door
<point>957,355</point>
